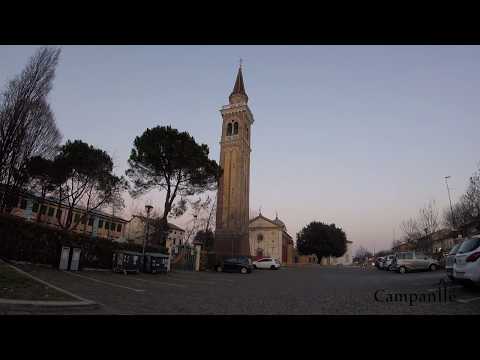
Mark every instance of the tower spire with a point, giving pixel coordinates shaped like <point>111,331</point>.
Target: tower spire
<point>238,93</point>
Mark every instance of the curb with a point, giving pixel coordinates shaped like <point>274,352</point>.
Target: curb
<point>12,304</point>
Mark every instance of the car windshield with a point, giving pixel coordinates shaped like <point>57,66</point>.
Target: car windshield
<point>454,250</point>
<point>469,245</point>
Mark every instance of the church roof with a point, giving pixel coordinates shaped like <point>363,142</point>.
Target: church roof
<point>239,88</point>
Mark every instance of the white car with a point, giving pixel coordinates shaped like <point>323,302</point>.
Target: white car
<point>466,267</point>
<point>267,263</point>
<point>388,263</point>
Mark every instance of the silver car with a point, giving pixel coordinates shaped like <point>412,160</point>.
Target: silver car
<point>450,261</point>
<point>412,261</point>
<point>388,264</point>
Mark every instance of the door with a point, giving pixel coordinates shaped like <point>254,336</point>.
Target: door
<point>228,265</point>
<point>75,259</point>
<point>420,262</point>
<point>64,257</point>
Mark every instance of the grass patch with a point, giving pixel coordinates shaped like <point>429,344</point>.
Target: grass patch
<point>14,285</point>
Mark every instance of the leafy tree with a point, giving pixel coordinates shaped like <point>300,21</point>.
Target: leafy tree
<point>43,177</point>
<point>165,159</point>
<point>88,180</point>
<point>322,240</point>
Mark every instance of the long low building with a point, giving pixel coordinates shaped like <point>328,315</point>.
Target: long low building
<point>97,224</point>
<point>53,213</point>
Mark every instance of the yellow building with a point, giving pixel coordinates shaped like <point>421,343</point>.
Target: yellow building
<point>270,238</point>
<point>97,224</point>
<point>136,231</point>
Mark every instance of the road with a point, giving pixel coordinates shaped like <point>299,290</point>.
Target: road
<point>304,291</point>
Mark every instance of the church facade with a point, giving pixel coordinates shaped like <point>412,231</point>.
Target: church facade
<point>232,218</point>
<point>270,238</point>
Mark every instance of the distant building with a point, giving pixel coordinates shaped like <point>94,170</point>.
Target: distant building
<point>404,246</point>
<point>270,238</point>
<point>345,259</point>
<point>136,231</point>
<point>97,224</point>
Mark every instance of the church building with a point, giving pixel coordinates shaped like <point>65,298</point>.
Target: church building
<point>270,238</point>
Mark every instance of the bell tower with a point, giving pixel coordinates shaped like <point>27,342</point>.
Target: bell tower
<point>231,233</point>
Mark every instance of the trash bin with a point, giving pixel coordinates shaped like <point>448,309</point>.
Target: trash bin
<point>126,261</point>
<point>156,263</point>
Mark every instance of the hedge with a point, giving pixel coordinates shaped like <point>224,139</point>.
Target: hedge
<point>22,240</point>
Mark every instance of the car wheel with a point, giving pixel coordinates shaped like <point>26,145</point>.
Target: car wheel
<point>433,267</point>
<point>219,268</point>
<point>243,270</point>
<point>390,268</point>
<point>272,267</point>
<point>402,270</point>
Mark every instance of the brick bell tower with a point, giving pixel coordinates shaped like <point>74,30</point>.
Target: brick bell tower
<point>231,233</point>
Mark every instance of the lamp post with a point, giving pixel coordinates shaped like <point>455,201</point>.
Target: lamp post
<point>148,208</point>
<point>450,199</point>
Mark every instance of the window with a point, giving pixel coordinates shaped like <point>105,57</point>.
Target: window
<point>229,129</point>
<point>51,211</point>
<point>235,128</point>
<point>119,227</point>
<point>90,221</point>
<point>59,213</point>
<point>100,224</point>
<point>113,226</point>
<point>43,210</point>
<point>77,218</point>
<point>84,220</point>
<point>260,237</point>
<point>35,207</point>
<point>107,225</point>
<point>23,204</point>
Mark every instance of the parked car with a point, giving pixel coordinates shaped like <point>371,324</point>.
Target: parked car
<point>379,262</point>
<point>388,262</point>
<point>466,267</point>
<point>241,264</point>
<point>450,261</point>
<point>412,261</point>
<point>267,263</point>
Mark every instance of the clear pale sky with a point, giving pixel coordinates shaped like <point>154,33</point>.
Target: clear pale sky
<point>361,136</point>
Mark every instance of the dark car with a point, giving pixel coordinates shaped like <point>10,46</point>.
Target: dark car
<point>241,264</point>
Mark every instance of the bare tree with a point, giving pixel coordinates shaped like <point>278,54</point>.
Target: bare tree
<point>203,216</point>
<point>428,219</point>
<point>27,125</point>
<point>410,229</point>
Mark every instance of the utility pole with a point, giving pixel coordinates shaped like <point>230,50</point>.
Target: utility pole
<point>450,199</point>
<point>148,208</point>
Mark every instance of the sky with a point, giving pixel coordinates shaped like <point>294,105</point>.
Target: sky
<point>359,136</point>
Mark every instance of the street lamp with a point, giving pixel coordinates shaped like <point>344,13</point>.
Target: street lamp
<point>148,208</point>
<point>450,199</point>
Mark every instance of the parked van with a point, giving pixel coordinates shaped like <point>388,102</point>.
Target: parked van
<point>412,261</point>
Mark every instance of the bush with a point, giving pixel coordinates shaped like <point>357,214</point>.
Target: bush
<point>22,240</point>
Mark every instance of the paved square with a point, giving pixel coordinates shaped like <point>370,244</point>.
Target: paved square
<point>307,290</point>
